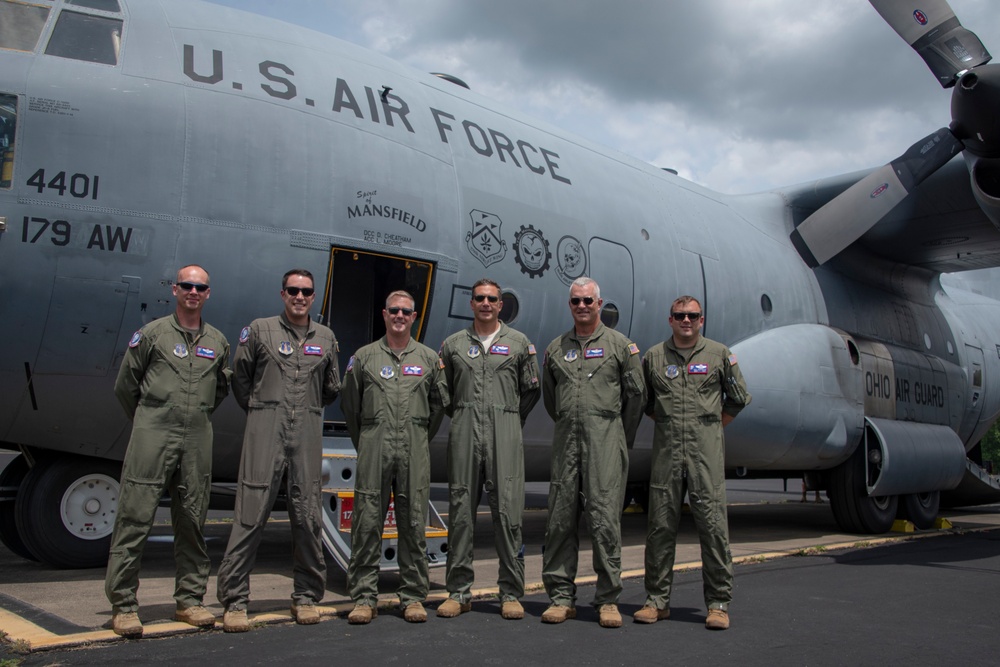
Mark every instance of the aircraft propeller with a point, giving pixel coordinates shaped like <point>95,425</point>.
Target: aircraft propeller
<point>952,53</point>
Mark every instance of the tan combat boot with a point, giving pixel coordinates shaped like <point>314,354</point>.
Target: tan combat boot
<point>235,621</point>
<point>651,615</point>
<point>414,613</point>
<point>305,614</point>
<point>197,616</point>
<point>609,616</point>
<point>451,608</point>
<point>512,610</point>
<point>557,613</point>
<point>718,619</point>
<point>362,614</point>
<point>127,624</point>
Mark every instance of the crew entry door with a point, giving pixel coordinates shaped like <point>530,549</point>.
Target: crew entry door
<point>611,266</point>
<point>357,285</point>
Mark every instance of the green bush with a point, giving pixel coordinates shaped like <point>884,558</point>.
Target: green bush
<point>990,445</point>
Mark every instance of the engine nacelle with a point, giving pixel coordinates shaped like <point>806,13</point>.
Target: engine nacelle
<point>985,174</point>
<point>807,411</point>
<point>908,457</point>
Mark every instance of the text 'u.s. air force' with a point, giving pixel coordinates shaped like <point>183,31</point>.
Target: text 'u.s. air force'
<point>382,106</point>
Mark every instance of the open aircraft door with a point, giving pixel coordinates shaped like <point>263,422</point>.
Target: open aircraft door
<point>357,283</point>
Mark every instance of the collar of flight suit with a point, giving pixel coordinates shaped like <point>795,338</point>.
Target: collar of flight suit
<point>184,332</point>
<point>598,332</point>
<point>687,352</point>
<point>411,345</point>
<point>473,336</point>
<point>310,325</point>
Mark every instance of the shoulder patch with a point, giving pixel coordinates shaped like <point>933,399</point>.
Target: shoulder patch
<point>531,349</point>
<point>244,335</point>
<point>136,337</point>
<point>633,348</point>
<point>732,359</point>
<point>440,362</point>
<point>350,365</point>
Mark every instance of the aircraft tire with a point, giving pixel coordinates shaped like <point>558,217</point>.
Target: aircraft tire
<point>920,508</point>
<point>65,510</point>
<point>854,510</point>
<point>11,477</point>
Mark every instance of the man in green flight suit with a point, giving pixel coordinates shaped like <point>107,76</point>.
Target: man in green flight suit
<point>393,401</point>
<point>592,387</point>
<point>174,375</point>
<point>284,371</point>
<point>492,373</point>
<point>695,389</point>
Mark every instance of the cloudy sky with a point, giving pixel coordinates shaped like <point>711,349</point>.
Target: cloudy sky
<point>737,95</point>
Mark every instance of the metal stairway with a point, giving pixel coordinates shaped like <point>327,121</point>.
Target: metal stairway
<point>339,466</point>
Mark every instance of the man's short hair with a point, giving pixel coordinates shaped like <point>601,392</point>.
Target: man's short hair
<point>583,281</point>
<point>486,281</point>
<point>400,293</point>
<point>296,272</point>
<point>683,301</point>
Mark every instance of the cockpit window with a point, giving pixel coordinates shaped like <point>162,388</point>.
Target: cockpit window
<point>8,127</point>
<point>103,5</point>
<point>95,39</point>
<point>20,25</point>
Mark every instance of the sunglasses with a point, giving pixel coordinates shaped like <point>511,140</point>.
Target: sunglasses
<point>187,287</point>
<point>306,291</point>
<point>395,310</point>
<point>680,317</point>
<point>479,298</point>
<point>588,300</point>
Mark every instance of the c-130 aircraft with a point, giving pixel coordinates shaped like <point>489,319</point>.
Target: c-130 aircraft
<point>139,136</point>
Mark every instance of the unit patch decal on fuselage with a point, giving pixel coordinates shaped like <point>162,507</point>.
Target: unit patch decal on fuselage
<point>571,259</point>
<point>484,240</point>
<point>531,251</point>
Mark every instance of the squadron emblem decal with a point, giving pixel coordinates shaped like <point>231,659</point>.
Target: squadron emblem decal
<point>484,240</point>
<point>531,251</point>
<point>571,260</point>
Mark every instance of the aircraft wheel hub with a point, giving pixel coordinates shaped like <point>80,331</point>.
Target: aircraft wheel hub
<point>88,507</point>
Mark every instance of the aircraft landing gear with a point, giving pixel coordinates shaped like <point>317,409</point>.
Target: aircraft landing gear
<point>854,510</point>
<point>10,484</point>
<point>920,508</point>
<point>639,493</point>
<point>65,510</point>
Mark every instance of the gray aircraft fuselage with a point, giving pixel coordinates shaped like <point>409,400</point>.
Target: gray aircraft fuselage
<point>250,147</point>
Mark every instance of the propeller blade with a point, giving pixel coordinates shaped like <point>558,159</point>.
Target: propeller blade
<point>937,36</point>
<point>846,217</point>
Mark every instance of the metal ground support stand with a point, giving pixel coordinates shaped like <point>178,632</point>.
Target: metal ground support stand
<point>339,467</point>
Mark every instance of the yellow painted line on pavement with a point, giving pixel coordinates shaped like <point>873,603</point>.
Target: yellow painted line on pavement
<point>25,636</point>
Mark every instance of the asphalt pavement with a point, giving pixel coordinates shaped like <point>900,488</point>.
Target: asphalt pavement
<point>806,594</point>
<point>916,602</point>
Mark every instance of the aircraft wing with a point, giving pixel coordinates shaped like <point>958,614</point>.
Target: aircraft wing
<point>938,226</point>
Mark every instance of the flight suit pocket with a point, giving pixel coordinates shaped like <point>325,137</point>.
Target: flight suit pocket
<point>633,383</point>
<point>251,501</point>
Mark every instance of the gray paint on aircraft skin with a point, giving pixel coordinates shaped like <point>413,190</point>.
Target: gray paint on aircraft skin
<point>251,180</point>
